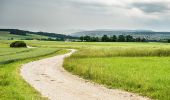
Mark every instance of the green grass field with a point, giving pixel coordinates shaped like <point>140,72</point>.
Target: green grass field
<point>8,36</point>
<point>12,86</point>
<point>142,68</point>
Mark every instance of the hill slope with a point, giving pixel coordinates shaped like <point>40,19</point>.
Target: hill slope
<point>6,36</point>
<point>151,35</point>
<point>22,34</point>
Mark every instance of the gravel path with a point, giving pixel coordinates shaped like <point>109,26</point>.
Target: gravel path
<point>52,81</point>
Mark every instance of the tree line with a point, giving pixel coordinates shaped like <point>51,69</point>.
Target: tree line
<point>114,38</point>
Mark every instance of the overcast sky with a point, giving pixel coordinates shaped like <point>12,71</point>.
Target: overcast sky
<point>63,16</point>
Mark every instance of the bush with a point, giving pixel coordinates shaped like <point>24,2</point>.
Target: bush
<point>18,44</point>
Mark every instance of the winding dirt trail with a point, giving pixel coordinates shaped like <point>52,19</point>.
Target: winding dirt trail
<point>52,81</point>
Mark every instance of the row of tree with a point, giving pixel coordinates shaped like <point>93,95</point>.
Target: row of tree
<point>114,38</point>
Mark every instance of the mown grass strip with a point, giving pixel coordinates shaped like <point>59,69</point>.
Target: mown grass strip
<point>35,52</point>
<point>10,53</point>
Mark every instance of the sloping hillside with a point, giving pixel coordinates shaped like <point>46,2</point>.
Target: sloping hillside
<point>150,35</point>
<point>8,36</point>
<point>22,34</point>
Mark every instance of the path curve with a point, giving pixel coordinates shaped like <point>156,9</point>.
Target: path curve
<point>52,81</point>
<point>31,47</point>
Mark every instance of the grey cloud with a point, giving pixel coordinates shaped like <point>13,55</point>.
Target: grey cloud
<point>155,7</point>
<point>61,15</point>
<point>94,7</point>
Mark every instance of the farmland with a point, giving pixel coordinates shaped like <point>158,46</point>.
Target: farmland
<point>8,36</point>
<point>12,86</point>
<point>142,68</point>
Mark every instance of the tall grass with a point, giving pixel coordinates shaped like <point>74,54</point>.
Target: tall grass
<point>142,69</point>
<point>122,52</point>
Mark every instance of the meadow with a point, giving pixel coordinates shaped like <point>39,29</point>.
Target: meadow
<point>8,36</point>
<point>142,68</point>
<point>12,86</point>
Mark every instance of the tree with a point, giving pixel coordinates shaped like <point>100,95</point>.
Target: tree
<point>17,32</point>
<point>82,38</point>
<point>129,38</point>
<point>168,40</point>
<point>105,38</point>
<point>121,38</point>
<point>16,44</point>
<point>143,40</point>
<point>94,39</point>
<point>87,38</point>
<point>138,39</point>
<point>114,38</point>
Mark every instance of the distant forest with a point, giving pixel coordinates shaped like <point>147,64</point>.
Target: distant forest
<point>23,32</point>
<point>87,38</point>
<point>114,38</point>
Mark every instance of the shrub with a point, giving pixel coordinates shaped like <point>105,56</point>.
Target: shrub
<point>18,44</point>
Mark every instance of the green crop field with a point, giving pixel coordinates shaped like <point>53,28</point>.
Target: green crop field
<point>142,68</point>
<point>12,86</point>
<point>8,36</point>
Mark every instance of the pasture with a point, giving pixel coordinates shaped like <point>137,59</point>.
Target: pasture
<point>142,68</point>
<point>12,86</point>
<point>8,36</point>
